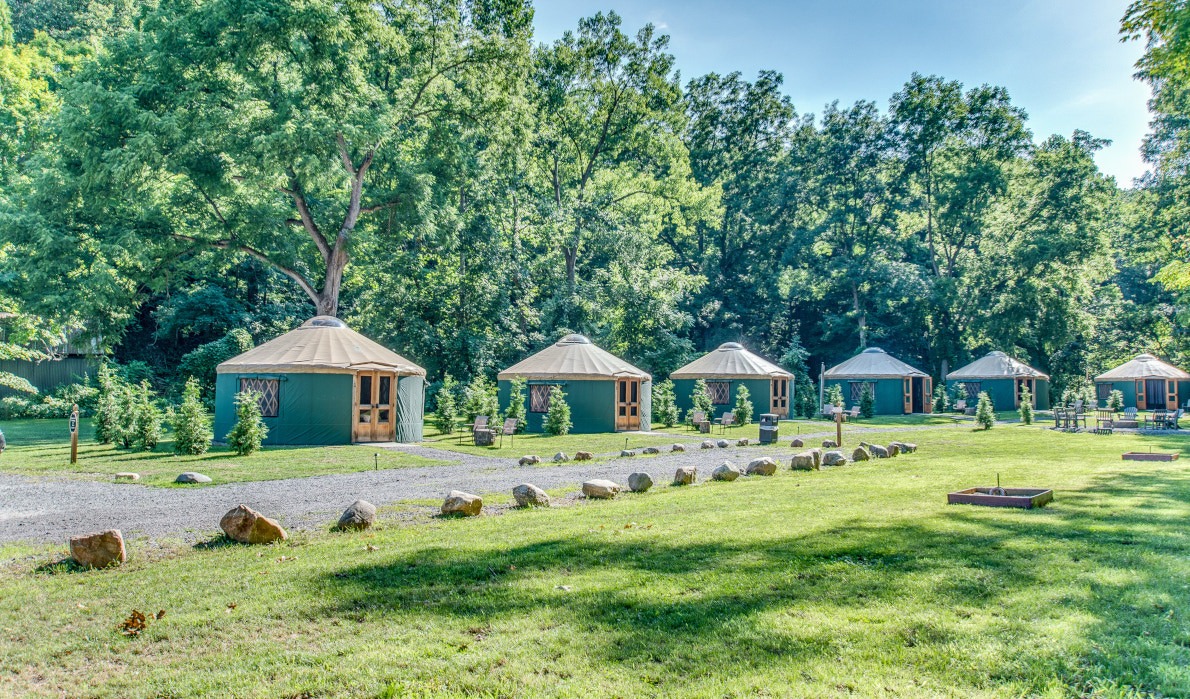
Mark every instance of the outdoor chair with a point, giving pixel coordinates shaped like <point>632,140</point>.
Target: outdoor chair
<point>1156,420</point>
<point>960,406</point>
<point>1059,418</point>
<point>1172,421</point>
<point>828,411</point>
<point>726,421</point>
<point>1104,421</point>
<point>509,429</point>
<point>854,412</point>
<point>1129,413</point>
<point>697,417</point>
<point>481,423</point>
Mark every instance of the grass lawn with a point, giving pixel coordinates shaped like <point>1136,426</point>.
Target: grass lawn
<point>857,581</point>
<point>42,447</point>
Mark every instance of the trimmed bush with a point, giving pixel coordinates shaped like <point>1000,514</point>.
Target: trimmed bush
<point>249,432</point>
<point>557,419</point>
<point>516,403</point>
<point>446,405</point>
<point>665,407</point>
<point>1026,409</point>
<point>867,402</point>
<point>700,399</point>
<point>192,423</point>
<point>941,399</point>
<point>146,419</point>
<point>743,406</point>
<point>985,411</point>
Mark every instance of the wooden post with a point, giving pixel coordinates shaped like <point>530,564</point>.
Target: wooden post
<point>74,434</point>
<point>838,426</point>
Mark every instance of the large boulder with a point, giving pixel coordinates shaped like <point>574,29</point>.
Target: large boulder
<point>460,503</point>
<point>707,444</point>
<point>723,444</point>
<point>906,447</point>
<point>829,444</point>
<point>725,471</point>
<point>600,489</point>
<point>685,475</point>
<point>877,451</point>
<point>98,550</point>
<point>561,457</point>
<point>192,477</point>
<point>529,460</point>
<point>650,450</point>
<point>742,442</point>
<point>639,482</point>
<point>861,454</point>
<point>248,526</point>
<point>804,461</point>
<point>833,458</point>
<point>764,466</point>
<point>583,456</point>
<point>893,449</point>
<point>529,495</point>
<point>677,447</point>
<point>360,515</point>
<point>797,442</point>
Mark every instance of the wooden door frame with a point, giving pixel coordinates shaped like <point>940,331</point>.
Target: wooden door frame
<point>774,407</point>
<point>1142,394</point>
<point>907,395</point>
<point>1171,394</point>
<point>390,433</point>
<point>629,422</point>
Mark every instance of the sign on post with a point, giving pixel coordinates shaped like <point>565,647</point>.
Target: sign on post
<point>74,434</point>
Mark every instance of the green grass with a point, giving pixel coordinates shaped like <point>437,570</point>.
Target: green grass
<point>42,447</point>
<point>858,581</point>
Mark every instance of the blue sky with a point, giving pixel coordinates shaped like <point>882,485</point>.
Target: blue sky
<point>1061,60</point>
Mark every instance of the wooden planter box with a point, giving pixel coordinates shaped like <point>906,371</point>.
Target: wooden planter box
<point>1148,456</point>
<point>1126,424</point>
<point>1026,498</point>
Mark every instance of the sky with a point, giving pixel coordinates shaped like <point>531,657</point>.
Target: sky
<point>1061,60</point>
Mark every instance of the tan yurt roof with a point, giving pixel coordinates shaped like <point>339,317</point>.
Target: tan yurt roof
<point>730,361</point>
<point>996,365</point>
<point>872,363</point>
<point>573,357</point>
<point>321,345</point>
<point>1144,366</point>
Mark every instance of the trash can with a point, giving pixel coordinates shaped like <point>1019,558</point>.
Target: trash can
<point>768,428</point>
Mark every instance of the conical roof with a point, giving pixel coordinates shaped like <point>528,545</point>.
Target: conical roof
<point>730,361</point>
<point>996,365</point>
<point>321,345</point>
<point>573,357</point>
<point>1144,366</point>
<point>872,363</point>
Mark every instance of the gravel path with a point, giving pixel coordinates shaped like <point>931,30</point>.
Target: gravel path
<point>52,510</point>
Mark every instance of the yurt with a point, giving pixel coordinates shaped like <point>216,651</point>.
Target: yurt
<point>605,393</point>
<point>324,383</point>
<point>1003,379</point>
<point>898,388</point>
<point>1147,384</point>
<point>724,370</point>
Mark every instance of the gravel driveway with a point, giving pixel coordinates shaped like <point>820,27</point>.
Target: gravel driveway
<point>53,510</point>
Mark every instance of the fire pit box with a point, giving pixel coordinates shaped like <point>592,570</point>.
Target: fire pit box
<point>1025,498</point>
<point>1148,456</point>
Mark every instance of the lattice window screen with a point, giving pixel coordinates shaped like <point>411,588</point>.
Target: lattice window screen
<point>270,394</point>
<point>720,392</point>
<point>539,398</point>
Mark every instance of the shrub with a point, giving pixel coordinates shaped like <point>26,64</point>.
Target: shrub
<point>557,418</point>
<point>1115,401</point>
<point>201,362</point>
<point>941,399</point>
<point>146,418</point>
<point>743,406</point>
<point>516,403</point>
<point>192,423</point>
<point>867,402</point>
<point>700,399</point>
<point>665,406</point>
<point>834,395</point>
<point>446,405</point>
<point>1026,409</point>
<point>124,428</point>
<point>985,411</point>
<point>480,398</point>
<point>249,432</point>
<point>805,398</point>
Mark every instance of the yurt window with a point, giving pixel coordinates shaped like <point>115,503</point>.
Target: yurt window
<point>539,397</point>
<point>720,392</point>
<point>1103,391</point>
<point>269,391</point>
<point>857,390</point>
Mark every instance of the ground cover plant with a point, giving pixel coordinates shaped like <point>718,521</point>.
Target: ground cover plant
<point>853,581</point>
<point>41,448</point>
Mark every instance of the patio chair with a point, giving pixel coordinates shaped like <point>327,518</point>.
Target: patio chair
<point>1059,418</point>
<point>481,423</point>
<point>1156,420</point>
<point>960,405</point>
<point>828,410</point>
<point>726,421</point>
<point>1104,421</point>
<point>1129,413</point>
<point>509,429</point>
<point>697,417</point>
<point>854,412</point>
<point>1172,421</point>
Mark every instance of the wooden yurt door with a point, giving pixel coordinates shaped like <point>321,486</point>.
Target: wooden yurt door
<point>1171,395</point>
<point>628,404</point>
<point>780,393</point>
<point>1141,403</point>
<point>907,389</point>
<point>375,411</point>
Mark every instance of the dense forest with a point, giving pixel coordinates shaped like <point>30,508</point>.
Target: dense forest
<point>175,170</point>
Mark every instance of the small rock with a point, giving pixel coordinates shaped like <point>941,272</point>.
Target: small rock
<point>725,471</point>
<point>723,444</point>
<point>583,456</point>
<point>650,450</point>
<point>640,482</point>
<point>98,550</point>
<point>833,458</point>
<point>529,495</point>
<point>829,444</point>
<point>878,451</point>
<point>529,460</point>
<point>861,454</point>
<point>797,442</point>
<point>804,461</point>
<point>763,466</point>
<point>360,515</point>
<point>742,442</point>
<point>906,447</point>
<point>563,588</point>
<point>191,477</point>
<point>248,526</point>
<point>685,475</point>
<point>627,452</point>
<point>707,444</point>
<point>561,457</point>
<point>677,447</point>
<point>893,449</point>
<point>460,503</point>
<point>127,476</point>
<point>600,489</point>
